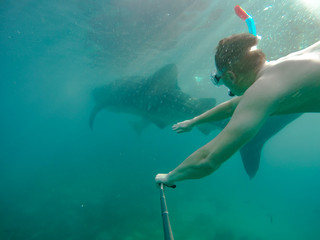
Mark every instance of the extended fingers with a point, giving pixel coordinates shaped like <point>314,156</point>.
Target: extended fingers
<point>177,127</point>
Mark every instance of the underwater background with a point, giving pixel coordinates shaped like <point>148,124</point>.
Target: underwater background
<point>61,180</point>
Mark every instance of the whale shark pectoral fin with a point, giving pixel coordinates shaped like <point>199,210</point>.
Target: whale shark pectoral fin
<point>251,158</point>
<point>206,128</point>
<point>139,126</point>
<point>97,108</point>
<point>160,124</point>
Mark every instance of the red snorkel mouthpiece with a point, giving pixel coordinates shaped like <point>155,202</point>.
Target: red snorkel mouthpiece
<point>241,13</point>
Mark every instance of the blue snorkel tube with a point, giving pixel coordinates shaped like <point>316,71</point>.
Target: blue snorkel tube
<point>246,17</point>
<point>251,26</point>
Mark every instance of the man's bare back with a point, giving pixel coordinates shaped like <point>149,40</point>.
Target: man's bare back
<point>292,81</point>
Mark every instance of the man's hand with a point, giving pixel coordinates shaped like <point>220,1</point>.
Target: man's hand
<point>163,178</point>
<point>185,126</point>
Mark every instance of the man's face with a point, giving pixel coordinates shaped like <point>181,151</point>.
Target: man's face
<point>229,79</point>
<point>224,78</point>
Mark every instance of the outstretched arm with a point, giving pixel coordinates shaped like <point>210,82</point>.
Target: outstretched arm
<point>220,112</point>
<point>247,119</point>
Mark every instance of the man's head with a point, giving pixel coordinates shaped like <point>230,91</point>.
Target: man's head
<point>238,62</point>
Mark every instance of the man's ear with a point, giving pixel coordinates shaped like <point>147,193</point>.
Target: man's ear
<point>231,76</point>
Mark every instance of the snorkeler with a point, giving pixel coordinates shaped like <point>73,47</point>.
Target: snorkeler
<point>288,85</point>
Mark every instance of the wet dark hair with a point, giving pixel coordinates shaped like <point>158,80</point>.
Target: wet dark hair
<point>237,47</point>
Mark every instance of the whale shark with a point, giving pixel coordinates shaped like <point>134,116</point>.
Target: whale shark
<point>158,99</point>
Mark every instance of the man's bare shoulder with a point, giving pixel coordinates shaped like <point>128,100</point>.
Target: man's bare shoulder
<point>264,95</point>
<point>290,86</point>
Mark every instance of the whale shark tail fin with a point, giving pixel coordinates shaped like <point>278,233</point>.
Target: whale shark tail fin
<point>97,108</point>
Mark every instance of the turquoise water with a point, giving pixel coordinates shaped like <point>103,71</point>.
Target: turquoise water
<point>60,180</point>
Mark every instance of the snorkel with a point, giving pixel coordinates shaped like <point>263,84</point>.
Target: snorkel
<point>216,77</point>
<point>246,17</point>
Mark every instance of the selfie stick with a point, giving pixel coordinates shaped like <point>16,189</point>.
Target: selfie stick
<point>165,215</point>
